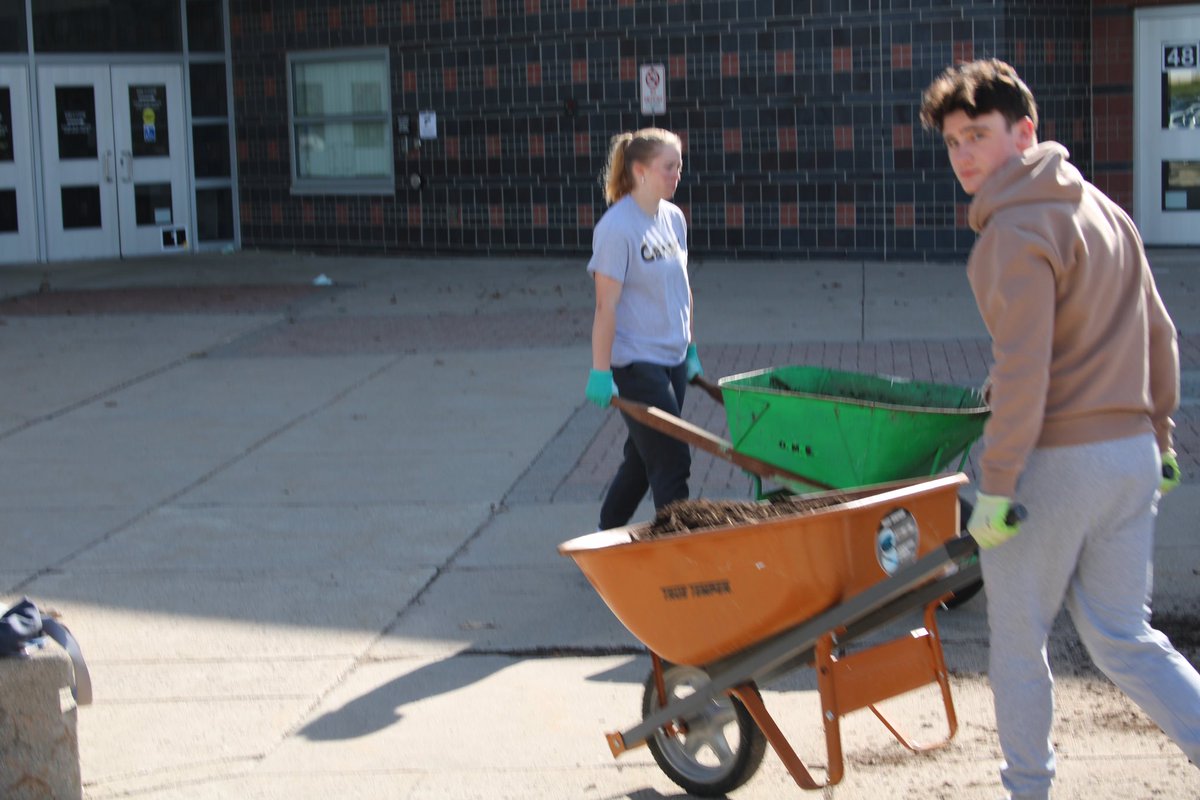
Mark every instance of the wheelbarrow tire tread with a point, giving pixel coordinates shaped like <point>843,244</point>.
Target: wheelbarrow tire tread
<point>748,756</point>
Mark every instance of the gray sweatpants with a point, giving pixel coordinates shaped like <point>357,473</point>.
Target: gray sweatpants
<point>1089,541</point>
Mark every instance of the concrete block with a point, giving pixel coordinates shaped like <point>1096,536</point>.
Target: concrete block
<point>39,746</point>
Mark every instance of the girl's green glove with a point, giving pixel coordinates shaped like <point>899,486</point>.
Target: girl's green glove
<point>601,387</point>
<point>692,359</point>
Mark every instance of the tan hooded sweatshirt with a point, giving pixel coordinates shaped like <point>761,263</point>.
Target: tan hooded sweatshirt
<point>1084,349</point>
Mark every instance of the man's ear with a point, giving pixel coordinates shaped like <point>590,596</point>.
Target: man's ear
<point>1026,133</point>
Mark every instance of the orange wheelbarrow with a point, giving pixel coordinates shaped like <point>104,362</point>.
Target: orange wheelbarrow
<point>726,609</point>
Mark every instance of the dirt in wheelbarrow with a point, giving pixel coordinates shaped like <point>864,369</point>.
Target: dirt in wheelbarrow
<point>687,516</point>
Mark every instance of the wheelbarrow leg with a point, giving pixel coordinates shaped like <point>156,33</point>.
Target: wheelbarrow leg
<point>880,672</point>
<point>752,700</point>
<point>942,677</point>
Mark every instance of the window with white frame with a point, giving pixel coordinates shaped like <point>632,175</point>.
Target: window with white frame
<point>340,114</point>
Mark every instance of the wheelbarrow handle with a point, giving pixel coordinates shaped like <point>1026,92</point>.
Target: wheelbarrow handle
<point>688,433</point>
<point>710,388</point>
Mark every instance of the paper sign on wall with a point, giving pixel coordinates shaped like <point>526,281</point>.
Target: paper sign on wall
<point>653,83</point>
<point>428,124</point>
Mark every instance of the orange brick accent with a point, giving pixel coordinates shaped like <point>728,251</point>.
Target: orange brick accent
<point>732,140</point>
<point>341,212</point>
<point>370,15</point>
<point>962,215</point>
<point>273,150</point>
<point>905,215</point>
<point>627,69</point>
<point>414,216</point>
<point>579,70</point>
<point>537,145</point>
<point>1050,51</point>
<point>843,59</point>
<point>677,66</point>
<point>307,213</point>
<point>579,5</point>
<point>1019,51</point>
<point>963,51</point>
<point>493,146</point>
<point>730,66</point>
<point>448,12</point>
<point>410,80</point>
<point>584,216</point>
<point>453,147</point>
<point>541,216</point>
<point>785,62</point>
<point>496,216</point>
<point>334,20</point>
<point>789,215</point>
<point>491,77</point>
<point>787,140</point>
<point>376,215</point>
<point>902,137</point>
<point>489,8</point>
<point>533,73</point>
<point>408,13</point>
<point>450,79</point>
<point>235,29</point>
<point>268,22</point>
<point>735,215</point>
<point>276,213</point>
<point>845,215</point>
<point>902,56</point>
<point>533,6</point>
<point>300,21</point>
<point>843,137</point>
<point>268,87</point>
<point>583,143</point>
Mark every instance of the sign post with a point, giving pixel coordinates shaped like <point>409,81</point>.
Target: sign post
<point>653,85</point>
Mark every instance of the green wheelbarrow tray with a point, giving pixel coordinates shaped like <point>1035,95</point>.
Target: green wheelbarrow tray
<point>849,429</point>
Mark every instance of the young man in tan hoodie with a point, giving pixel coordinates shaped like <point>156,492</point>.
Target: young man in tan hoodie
<point>1086,376</point>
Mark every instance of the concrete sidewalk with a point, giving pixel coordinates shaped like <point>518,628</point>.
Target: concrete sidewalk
<point>307,537</point>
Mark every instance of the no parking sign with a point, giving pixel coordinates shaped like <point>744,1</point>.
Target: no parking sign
<point>653,83</point>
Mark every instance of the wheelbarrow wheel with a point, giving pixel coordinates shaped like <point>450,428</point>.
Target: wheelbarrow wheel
<point>971,589</point>
<point>711,753</point>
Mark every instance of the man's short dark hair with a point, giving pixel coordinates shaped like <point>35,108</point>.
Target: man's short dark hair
<point>978,87</point>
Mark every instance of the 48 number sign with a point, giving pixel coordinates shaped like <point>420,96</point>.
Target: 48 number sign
<point>1180,56</point>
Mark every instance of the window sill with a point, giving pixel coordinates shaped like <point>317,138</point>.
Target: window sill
<point>381,187</point>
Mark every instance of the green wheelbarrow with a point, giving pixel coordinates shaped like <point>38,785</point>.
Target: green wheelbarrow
<point>810,428</point>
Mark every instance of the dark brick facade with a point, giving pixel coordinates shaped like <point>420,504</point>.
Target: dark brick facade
<point>799,117</point>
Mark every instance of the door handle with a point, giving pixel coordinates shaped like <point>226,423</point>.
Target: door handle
<point>127,166</point>
<point>107,161</point>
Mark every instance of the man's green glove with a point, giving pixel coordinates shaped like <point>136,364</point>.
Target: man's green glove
<point>692,359</point>
<point>1170,472</point>
<point>989,521</point>
<point>601,387</point>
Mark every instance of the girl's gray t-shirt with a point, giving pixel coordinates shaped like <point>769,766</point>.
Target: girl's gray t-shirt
<point>648,256</point>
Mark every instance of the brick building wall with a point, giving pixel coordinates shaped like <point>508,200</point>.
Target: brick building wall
<point>799,118</point>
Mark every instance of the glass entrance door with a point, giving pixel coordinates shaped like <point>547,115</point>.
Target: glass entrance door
<point>1167,113</point>
<point>114,162</point>
<point>18,225</point>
